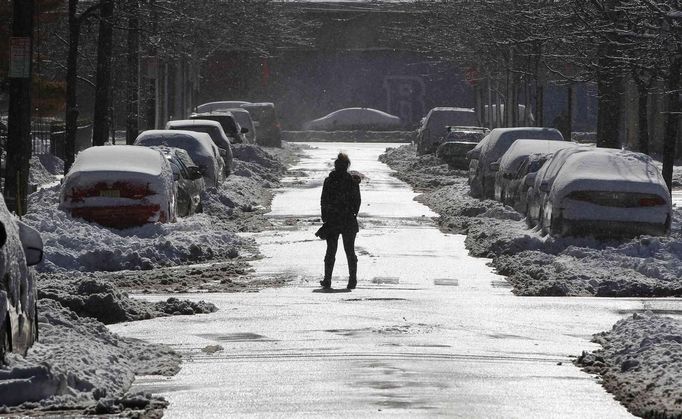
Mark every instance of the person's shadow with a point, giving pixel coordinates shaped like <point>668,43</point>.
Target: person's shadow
<point>331,290</point>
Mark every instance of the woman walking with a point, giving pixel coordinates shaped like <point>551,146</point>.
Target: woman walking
<point>340,204</point>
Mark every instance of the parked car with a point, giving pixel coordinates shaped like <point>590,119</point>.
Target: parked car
<point>608,192</point>
<point>348,119</point>
<point>119,186</point>
<point>434,126</point>
<point>199,146</point>
<point>484,160</point>
<point>236,134</point>
<point>513,158</point>
<point>517,189</point>
<point>243,118</point>
<point>214,130</point>
<point>457,143</point>
<point>188,178</point>
<point>541,182</point>
<point>20,248</point>
<point>220,105</point>
<point>266,122</point>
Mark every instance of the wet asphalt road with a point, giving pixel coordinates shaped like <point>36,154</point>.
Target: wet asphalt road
<point>429,331</point>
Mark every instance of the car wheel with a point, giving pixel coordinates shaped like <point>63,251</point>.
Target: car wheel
<point>541,223</point>
<point>556,226</point>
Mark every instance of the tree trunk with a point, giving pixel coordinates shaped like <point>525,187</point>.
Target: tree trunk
<point>19,116</point>
<point>102,114</point>
<point>71,117</point>
<point>643,117</point>
<point>608,115</point>
<point>674,110</point>
<point>132,120</point>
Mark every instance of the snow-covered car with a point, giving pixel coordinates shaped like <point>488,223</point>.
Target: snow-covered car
<point>20,247</point>
<point>458,142</point>
<point>348,119</point>
<point>236,134</point>
<point>220,105</point>
<point>119,186</point>
<point>513,158</point>
<point>265,119</point>
<point>539,183</point>
<point>243,118</point>
<point>188,178</point>
<point>608,192</point>
<point>434,127</point>
<point>516,193</point>
<point>199,146</point>
<point>484,160</point>
<point>214,130</point>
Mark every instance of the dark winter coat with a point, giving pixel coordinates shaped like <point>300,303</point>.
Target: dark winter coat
<point>340,202</point>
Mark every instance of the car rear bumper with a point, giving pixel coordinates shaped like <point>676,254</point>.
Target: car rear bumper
<point>584,217</point>
<point>121,217</point>
<point>613,228</point>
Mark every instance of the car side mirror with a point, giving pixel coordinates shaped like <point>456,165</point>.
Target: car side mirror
<point>494,166</point>
<point>32,244</point>
<point>544,187</point>
<point>244,130</point>
<point>530,179</point>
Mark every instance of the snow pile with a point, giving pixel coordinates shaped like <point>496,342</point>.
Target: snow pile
<point>641,364</point>
<point>79,364</point>
<point>247,190</point>
<point>100,299</point>
<point>424,172</point>
<point>536,265</point>
<point>74,244</point>
<point>44,169</point>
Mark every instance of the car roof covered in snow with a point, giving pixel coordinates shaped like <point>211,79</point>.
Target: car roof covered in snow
<point>194,122</point>
<point>521,149</point>
<point>445,116</point>
<point>197,141</point>
<point>609,170</point>
<point>119,158</point>
<point>221,104</point>
<point>502,138</point>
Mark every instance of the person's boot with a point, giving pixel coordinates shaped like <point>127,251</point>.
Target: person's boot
<point>328,269</point>
<point>352,274</point>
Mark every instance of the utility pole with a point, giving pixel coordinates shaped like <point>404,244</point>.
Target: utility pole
<point>19,115</point>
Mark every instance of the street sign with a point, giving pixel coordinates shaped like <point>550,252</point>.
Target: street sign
<point>471,76</point>
<point>20,58</point>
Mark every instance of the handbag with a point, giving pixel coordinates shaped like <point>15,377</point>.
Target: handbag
<point>323,232</point>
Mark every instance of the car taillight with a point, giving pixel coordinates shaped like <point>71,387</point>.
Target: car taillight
<point>651,202</point>
<point>75,195</point>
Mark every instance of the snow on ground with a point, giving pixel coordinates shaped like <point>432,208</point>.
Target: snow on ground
<point>537,265</point>
<point>44,169</point>
<point>640,362</point>
<point>77,363</point>
<point>641,359</point>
